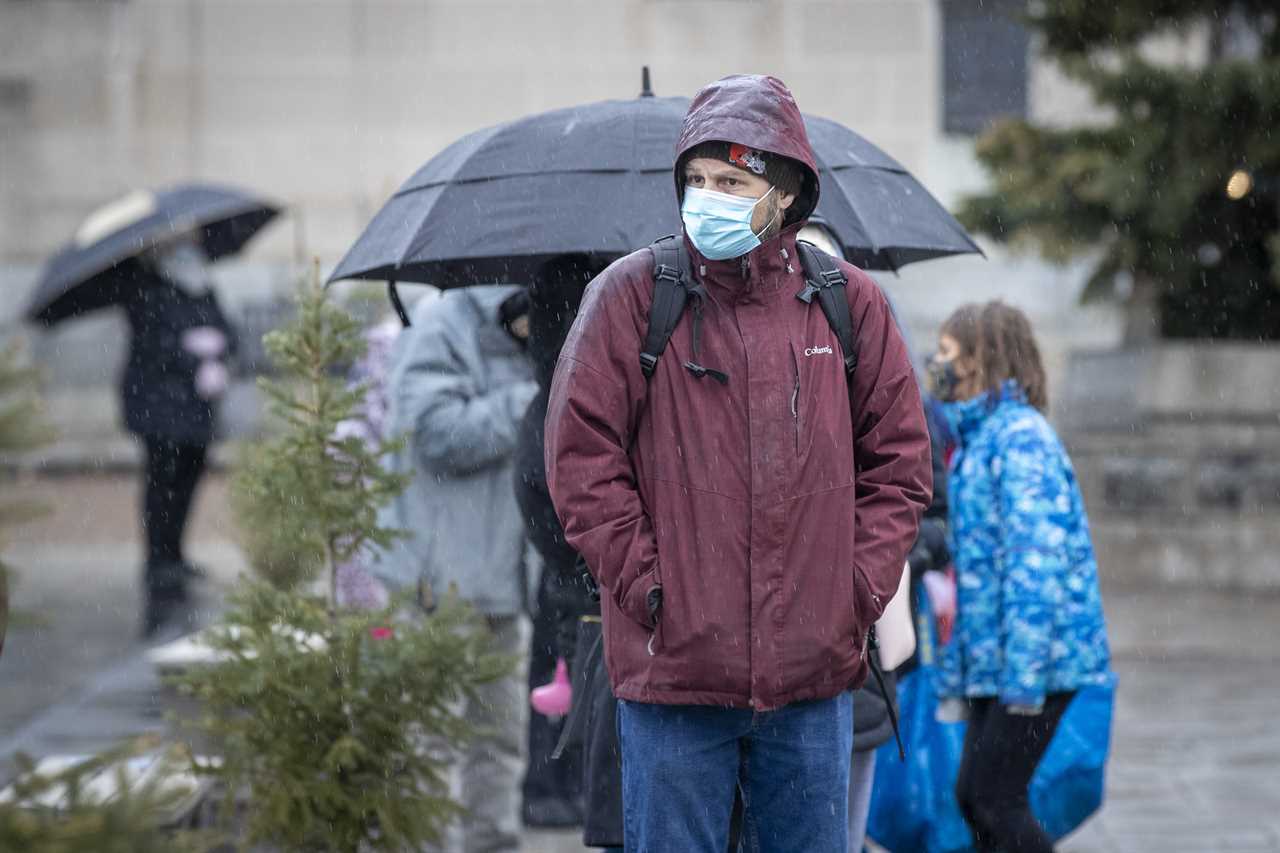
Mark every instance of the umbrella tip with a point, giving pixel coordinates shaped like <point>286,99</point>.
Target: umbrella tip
<point>646,91</point>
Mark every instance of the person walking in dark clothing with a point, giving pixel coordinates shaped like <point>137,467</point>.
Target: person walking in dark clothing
<point>553,789</point>
<point>176,372</point>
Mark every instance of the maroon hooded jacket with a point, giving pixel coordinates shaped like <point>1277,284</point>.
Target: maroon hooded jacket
<point>775,511</point>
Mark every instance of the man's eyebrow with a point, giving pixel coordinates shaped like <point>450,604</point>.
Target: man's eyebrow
<point>725,170</point>
<point>719,170</point>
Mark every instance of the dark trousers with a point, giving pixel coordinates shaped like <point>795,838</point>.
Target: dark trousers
<point>548,779</point>
<point>1001,751</point>
<point>171,475</point>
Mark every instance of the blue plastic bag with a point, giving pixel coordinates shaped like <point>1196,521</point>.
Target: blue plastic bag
<point>913,804</point>
<point>1068,783</point>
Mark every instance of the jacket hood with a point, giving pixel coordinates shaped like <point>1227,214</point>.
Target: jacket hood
<point>756,111</point>
<point>475,308</point>
<point>488,298</point>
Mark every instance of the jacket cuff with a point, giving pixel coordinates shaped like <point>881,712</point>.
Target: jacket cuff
<point>1026,702</point>
<point>634,600</point>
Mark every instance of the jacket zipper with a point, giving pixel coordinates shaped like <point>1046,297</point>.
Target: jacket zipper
<point>795,398</point>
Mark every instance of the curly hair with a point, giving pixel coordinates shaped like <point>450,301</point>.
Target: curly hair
<point>999,339</point>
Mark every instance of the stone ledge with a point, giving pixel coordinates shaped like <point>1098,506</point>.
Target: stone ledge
<point>1177,449</point>
<point>1171,383</point>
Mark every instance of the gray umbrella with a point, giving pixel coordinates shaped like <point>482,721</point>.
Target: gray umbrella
<point>79,278</point>
<point>596,179</point>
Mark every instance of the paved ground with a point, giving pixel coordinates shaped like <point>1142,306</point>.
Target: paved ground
<point>1196,764</point>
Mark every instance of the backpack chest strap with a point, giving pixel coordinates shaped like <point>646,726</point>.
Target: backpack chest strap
<point>824,278</point>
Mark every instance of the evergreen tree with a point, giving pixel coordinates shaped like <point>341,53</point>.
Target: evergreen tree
<point>308,498</point>
<point>1178,191</point>
<point>335,726</point>
<point>21,429</point>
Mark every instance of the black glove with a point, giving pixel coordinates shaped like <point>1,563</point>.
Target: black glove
<point>654,600</point>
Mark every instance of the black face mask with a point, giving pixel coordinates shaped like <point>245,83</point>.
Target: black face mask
<point>943,380</point>
<point>514,308</point>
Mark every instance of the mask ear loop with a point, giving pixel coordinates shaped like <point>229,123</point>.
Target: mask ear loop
<point>768,224</point>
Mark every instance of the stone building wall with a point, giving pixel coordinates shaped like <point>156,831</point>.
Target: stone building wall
<point>328,105</point>
<point>1178,450</point>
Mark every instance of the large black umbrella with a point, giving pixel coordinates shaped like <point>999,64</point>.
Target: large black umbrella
<point>79,278</point>
<point>597,179</point>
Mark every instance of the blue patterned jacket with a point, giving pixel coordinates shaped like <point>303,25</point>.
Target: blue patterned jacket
<point>1029,614</point>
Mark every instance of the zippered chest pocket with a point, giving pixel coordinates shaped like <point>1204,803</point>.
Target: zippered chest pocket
<point>818,406</point>
<point>795,397</point>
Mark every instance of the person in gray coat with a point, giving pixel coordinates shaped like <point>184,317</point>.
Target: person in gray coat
<point>458,386</point>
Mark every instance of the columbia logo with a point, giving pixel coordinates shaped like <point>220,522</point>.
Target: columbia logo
<point>818,351</point>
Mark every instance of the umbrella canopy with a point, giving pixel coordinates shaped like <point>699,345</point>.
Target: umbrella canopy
<point>497,203</point>
<point>79,279</point>
<point>596,179</point>
<point>882,216</point>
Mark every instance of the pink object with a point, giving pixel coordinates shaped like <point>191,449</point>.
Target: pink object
<point>381,633</point>
<point>941,589</point>
<point>359,590</point>
<point>212,379</point>
<point>204,342</point>
<point>554,699</point>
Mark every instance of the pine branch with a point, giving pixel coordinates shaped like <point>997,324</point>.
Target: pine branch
<point>1072,28</point>
<point>1145,193</point>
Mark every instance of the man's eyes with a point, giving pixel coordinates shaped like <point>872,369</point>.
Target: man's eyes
<point>699,180</point>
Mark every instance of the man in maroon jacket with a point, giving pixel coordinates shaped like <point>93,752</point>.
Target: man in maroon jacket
<point>746,510</point>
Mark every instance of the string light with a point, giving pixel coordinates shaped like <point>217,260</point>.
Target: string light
<point>1239,184</point>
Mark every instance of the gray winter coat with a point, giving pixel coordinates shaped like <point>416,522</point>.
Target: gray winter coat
<point>457,388</point>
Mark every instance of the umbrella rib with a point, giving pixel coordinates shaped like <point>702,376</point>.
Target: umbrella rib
<point>901,171</point>
<point>861,222</point>
<point>455,182</point>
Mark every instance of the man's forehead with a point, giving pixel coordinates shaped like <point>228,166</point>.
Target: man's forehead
<point>715,167</point>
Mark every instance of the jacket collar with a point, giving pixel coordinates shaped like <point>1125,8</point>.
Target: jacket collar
<point>966,416</point>
<point>758,275</point>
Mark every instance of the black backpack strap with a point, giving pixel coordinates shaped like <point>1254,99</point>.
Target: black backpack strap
<point>670,290</point>
<point>824,278</point>
<point>873,658</point>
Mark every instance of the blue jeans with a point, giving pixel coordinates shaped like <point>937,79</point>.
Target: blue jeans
<point>680,764</point>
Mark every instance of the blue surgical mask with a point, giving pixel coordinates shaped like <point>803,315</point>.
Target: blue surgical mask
<point>719,224</point>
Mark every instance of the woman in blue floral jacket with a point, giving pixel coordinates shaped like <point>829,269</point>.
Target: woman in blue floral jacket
<point>1029,627</point>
